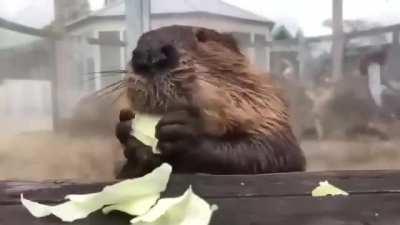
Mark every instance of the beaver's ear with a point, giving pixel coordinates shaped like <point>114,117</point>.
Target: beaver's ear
<point>225,39</point>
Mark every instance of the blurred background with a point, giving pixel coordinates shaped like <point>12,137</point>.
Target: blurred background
<point>338,61</point>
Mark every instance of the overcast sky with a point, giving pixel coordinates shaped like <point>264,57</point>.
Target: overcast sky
<point>310,14</point>
<point>306,14</point>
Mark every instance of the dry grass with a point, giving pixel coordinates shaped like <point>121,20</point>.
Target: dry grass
<point>44,156</point>
<point>352,155</point>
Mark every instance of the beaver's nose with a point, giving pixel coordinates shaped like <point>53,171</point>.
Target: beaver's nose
<point>146,60</point>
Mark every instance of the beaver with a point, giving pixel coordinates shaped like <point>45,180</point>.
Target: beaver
<point>219,114</point>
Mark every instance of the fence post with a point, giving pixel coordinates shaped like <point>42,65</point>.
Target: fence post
<point>268,50</point>
<point>396,37</point>
<point>137,21</point>
<point>302,55</point>
<point>55,51</point>
<point>338,40</point>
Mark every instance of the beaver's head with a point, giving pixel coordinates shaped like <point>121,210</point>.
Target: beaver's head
<point>181,65</point>
<point>167,62</point>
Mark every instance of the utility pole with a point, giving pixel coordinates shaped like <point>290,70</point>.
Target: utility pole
<point>59,20</point>
<point>338,39</point>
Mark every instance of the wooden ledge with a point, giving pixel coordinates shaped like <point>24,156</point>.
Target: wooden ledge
<point>244,200</point>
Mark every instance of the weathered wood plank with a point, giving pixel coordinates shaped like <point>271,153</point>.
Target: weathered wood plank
<point>357,209</point>
<point>288,184</point>
<point>279,199</point>
<point>366,209</point>
<point>16,215</point>
<point>270,185</point>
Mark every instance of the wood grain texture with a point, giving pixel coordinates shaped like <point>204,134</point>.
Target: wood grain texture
<point>243,200</point>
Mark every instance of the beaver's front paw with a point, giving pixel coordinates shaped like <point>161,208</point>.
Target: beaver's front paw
<point>178,131</point>
<point>140,159</point>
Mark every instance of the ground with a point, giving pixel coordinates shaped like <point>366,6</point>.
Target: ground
<point>352,155</point>
<point>41,156</point>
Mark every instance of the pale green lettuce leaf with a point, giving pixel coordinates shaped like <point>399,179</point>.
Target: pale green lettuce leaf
<point>67,212</point>
<point>84,197</point>
<point>71,211</point>
<point>136,206</point>
<point>188,209</point>
<point>36,209</point>
<point>133,196</point>
<point>327,189</point>
<point>144,129</point>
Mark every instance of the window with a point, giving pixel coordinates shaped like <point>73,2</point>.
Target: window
<point>260,51</point>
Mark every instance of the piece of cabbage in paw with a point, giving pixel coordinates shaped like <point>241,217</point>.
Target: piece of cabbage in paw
<point>144,129</point>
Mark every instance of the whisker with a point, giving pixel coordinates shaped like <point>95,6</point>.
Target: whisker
<point>120,86</point>
<point>118,97</point>
<point>117,83</point>
<point>102,76</point>
<point>107,88</point>
<point>107,71</point>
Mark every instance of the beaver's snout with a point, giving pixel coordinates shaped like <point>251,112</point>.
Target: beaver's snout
<point>151,60</point>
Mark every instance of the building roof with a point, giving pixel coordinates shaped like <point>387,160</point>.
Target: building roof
<point>12,39</point>
<point>159,7</point>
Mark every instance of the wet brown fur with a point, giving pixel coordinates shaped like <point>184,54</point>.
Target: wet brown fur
<point>229,91</point>
<point>213,76</point>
